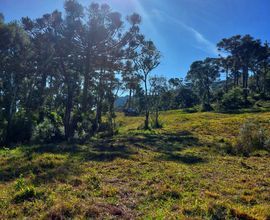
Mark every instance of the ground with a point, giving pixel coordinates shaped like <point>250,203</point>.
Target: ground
<point>183,171</point>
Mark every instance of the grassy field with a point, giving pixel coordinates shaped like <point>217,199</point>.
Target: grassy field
<point>183,171</point>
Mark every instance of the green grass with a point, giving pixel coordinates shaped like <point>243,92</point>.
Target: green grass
<point>182,171</point>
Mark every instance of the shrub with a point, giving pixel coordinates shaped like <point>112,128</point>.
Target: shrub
<point>218,211</point>
<point>28,193</point>
<point>62,210</point>
<point>206,107</point>
<point>83,126</point>
<point>233,100</point>
<point>194,109</point>
<point>186,98</point>
<point>252,136</point>
<point>24,192</point>
<point>48,131</point>
<point>21,127</point>
<point>94,183</point>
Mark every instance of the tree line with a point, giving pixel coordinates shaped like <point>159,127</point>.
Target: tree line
<point>61,74</point>
<point>238,78</point>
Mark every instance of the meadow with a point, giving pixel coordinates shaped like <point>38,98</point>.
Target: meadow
<point>185,170</point>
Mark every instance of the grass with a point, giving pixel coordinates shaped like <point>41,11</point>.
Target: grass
<point>182,171</point>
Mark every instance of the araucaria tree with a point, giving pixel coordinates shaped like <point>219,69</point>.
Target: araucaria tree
<point>202,74</point>
<point>245,51</point>
<point>59,74</point>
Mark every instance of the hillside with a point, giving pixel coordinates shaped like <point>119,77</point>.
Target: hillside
<point>183,171</point>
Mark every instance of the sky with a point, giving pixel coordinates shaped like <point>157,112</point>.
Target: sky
<point>183,30</point>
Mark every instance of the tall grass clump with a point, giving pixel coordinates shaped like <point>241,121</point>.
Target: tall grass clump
<point>252,137</point>
<point>24,191</point>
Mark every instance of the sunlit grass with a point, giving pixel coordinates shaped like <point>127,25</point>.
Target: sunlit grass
<point>180,171</point>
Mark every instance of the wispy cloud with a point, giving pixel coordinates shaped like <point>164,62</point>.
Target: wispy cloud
<point>202,42</point>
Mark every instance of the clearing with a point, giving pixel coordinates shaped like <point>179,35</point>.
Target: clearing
<point>183,171</point>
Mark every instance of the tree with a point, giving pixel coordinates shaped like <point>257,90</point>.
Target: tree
<point>226,64</point>
<point>15,49</point>
<point>130,80</point>
<point>246,50</point>
<point>158,86</point>
<point>175,83</point>
<point>202,74</point>
<point>148,60</point>
<point>66,66</point>
<point>185,97</point>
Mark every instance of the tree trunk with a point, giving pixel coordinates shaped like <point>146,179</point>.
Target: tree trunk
<point>86,83</point>
<point>67,117</point>
<point>85,92</point>
<point>146,122</point>
<point>98,119</point>
<point>69,102</point>
<point>245,83</point>
<point>111,115</point>
<point>9,127</point>
<point>156,118</point>
<point>10,113</point>
<point>226,85</point>
<point>42,99</point>
<point>245,77</point>
<point>129,99</point>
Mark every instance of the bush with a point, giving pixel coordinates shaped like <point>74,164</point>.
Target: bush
<point>47,132</point>
<point>21,127</point>
<point>83,126</point>
<point>252,137</point>
<point>206,107</point>
<point>220,211</point>
<point>24,192</point>
<point>196,108</point>
<point>233,100</point>
<point>186,98</point>
<point>94,183</point>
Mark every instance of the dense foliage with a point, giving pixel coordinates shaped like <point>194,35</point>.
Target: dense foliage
<point>60,75</point>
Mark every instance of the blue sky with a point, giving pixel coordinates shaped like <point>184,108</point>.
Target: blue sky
<point>183,30</point>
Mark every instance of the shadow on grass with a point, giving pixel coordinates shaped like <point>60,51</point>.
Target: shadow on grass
<point>186,158</point>
<point>52,148</point>
<point>45,167</point>
<point>51,163</point>
<point>169,145</point>
<point>107,150</point>
<point>58,162</point>
<point>164,143</point>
